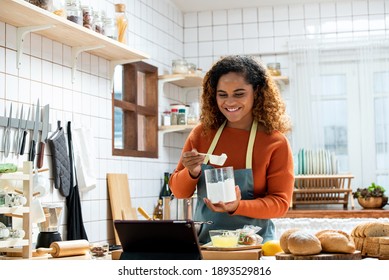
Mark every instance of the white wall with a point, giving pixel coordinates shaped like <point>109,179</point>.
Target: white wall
<point>159,29</point>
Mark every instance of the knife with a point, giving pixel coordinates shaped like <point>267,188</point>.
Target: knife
<point>34,140</point>
<point>7,133</point>
<point>18,133</point>
<point>45,132</point>
<point>24,134</point>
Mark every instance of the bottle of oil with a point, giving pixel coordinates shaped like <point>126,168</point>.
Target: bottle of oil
<point>158,211</point>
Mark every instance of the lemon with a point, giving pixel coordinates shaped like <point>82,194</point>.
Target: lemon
<point>271,248</point>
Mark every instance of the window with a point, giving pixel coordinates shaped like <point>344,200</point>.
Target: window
<point>135,110</point>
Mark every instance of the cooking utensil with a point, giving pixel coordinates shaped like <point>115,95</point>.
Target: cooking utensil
<point>45,132</point>
<point>66,248</point>
<point>214,159</point>
<point>24,134</point>
<point>34,140</point>
<point>18,133</point>
<point>7,132</point>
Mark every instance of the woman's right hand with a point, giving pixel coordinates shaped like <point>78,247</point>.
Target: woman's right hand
<point>192,161</point>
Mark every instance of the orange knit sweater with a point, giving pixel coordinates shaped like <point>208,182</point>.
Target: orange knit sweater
<point>272,169</point>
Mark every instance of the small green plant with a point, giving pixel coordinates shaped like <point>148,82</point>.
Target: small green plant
<point>371,191</point>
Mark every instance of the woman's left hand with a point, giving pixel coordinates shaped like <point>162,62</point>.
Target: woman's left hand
<point>221,207</point>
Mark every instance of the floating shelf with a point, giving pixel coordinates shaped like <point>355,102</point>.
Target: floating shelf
<point>182,80</point>
<point>176,128</point>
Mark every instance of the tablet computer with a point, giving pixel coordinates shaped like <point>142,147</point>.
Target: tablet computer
<point>158,240</point>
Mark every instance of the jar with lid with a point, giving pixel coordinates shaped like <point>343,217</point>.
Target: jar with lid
<point>98,22</point>
<point>179,66</point>
<point>181,117</point>
<point>73,11</point>
<point>274,68</point>
<point>87,16</point>
<point>44,4</point>
<point>109,28</point>
<point>58,8</point>
<point>121,22</point>
<point>166,118</point>
<point>191,68</point>
<point>174,116</point>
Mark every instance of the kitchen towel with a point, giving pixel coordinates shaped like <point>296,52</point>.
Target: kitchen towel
<point>85,160</point>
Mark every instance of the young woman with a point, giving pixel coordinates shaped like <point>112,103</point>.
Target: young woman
<point>243,116</point>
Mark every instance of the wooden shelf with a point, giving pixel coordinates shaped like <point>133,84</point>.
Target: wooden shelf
<point>176,128</point>
<point>182,80</point>
<point>333,213</point>
<point>23,14</point>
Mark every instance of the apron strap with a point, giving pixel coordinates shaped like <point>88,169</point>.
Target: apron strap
<point>250,146</point>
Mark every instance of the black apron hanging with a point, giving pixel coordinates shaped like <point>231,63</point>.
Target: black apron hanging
<point>75,224</point>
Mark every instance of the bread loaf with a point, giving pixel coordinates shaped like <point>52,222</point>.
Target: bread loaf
<point>284,239</point>
<point>303,243</point>
<point>335,241</point>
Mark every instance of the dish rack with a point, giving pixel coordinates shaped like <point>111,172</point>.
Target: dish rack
<point>322,189</point>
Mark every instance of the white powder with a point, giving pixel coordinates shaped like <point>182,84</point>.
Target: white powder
<point>221,191</point>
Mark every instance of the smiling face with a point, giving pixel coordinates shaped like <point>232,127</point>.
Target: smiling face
<point>235,99</point>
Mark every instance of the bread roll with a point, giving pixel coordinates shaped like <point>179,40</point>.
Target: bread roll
<point>284,239</point>
<point>303,243</point>
<point>335,241</point>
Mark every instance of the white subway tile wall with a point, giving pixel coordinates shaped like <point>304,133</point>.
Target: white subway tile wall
<point>165,33</point>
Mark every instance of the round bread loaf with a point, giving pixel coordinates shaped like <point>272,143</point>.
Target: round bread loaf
<point>284,239</point>
<point>335,241</point>
<point>303,243</point>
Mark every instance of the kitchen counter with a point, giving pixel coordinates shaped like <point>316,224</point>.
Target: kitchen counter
<point>338,213</point>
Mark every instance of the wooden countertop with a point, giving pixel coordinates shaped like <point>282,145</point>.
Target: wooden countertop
<point>338,213</point>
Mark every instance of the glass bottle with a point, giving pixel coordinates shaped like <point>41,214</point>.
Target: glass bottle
<point>73,11</point>
<point>165,190</point>
<point>158,211</point>
<point>121,22</point>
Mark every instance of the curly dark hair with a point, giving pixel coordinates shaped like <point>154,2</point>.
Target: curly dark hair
<point>268,107</point>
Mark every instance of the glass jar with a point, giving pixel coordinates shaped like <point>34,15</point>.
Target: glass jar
<point>109,28</point>
<point>58,8</point>
<point>73,11</point>
<point>121,23</point>
<point>87,16</point>
<point>274,68</point>
<point>179,66</point>
<point>166,118</point>
<point>174,117</point>
<point>44,4</point>
<point>191,68</point>
<point>98,22</point>
<point>181,117</point>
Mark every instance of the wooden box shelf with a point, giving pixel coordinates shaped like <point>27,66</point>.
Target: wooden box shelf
<point>322,189</point>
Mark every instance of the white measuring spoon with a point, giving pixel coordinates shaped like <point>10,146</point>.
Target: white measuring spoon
<point>214,159</point>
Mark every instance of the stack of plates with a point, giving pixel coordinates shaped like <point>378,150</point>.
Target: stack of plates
<point>312,162</point>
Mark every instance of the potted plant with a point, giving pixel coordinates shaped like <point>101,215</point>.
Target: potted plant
<point>371,197</point>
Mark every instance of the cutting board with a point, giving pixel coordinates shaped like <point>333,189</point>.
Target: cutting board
<point>324,256</point>
<point>120,199</point>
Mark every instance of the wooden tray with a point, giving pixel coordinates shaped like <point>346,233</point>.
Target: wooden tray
<point>210,247</point>
<point>325,256</point>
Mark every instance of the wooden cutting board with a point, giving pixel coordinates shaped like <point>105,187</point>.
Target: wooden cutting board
<point>325,256</point>
<point>120,199</point>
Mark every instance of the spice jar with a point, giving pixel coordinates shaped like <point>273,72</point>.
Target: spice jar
<point>181,117</point>
<point>121,22</point>
<point>166,118</point>
<point>179,66</point>
<point>174,116</point>
<point>87,16</point>
<point>73,11</point>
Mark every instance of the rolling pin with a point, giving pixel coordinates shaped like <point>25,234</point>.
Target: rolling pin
<point>69,248</point>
